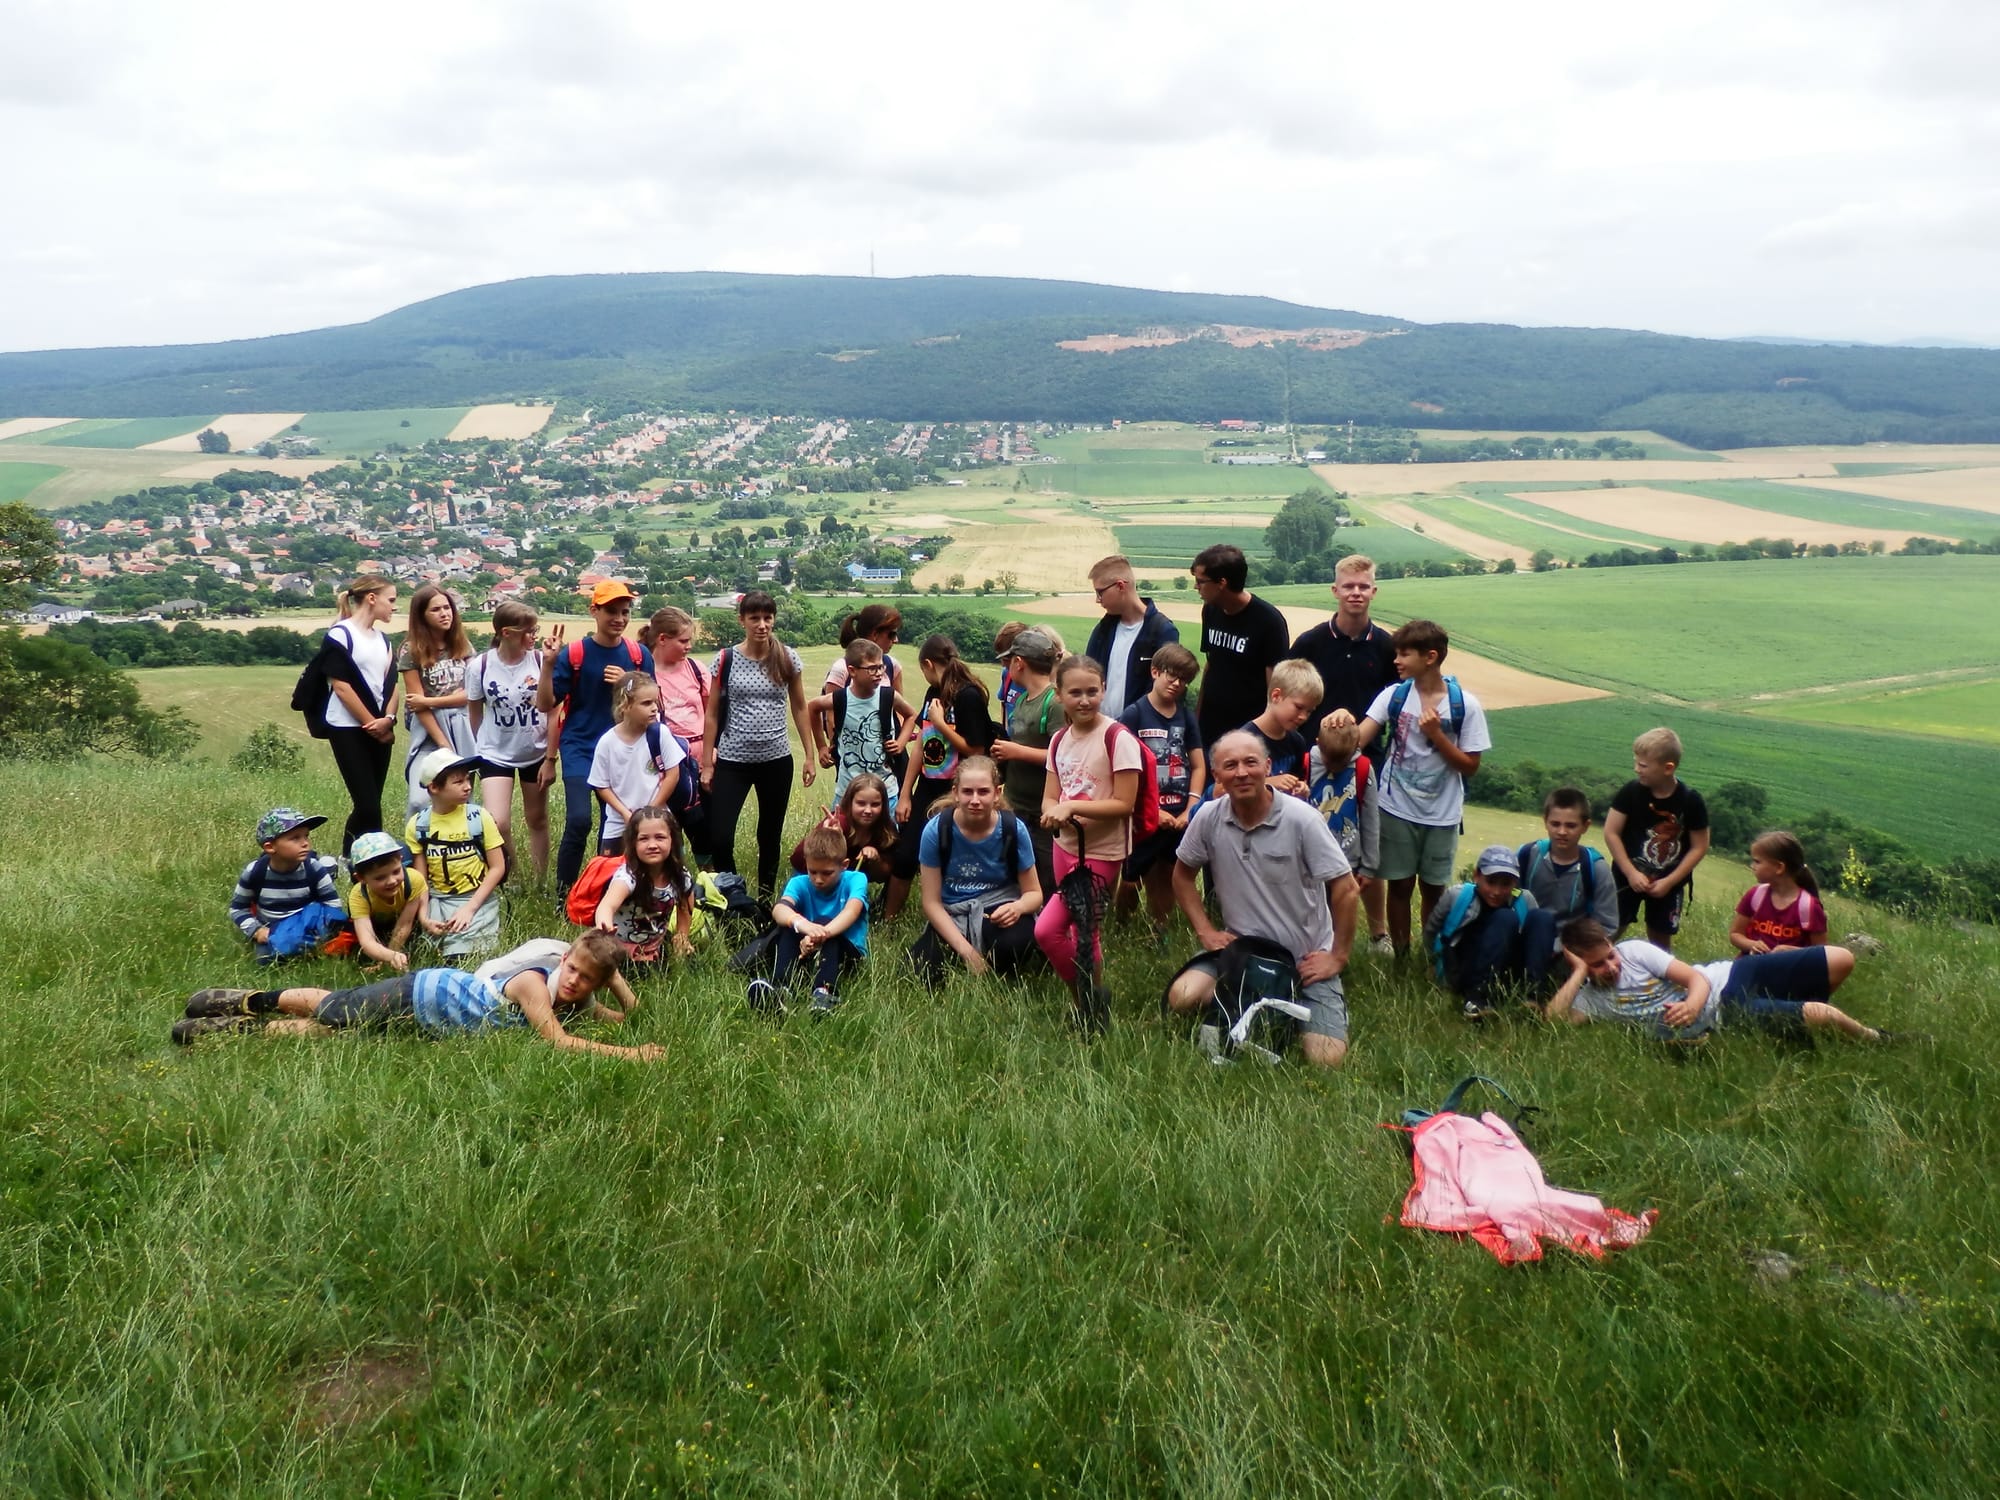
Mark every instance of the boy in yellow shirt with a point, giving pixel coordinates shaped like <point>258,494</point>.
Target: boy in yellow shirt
<point>459,850</point>
<point>386,897</point>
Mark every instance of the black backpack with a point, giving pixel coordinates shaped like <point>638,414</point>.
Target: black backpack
<point>1010,838</point>
<point>1257,1010</point>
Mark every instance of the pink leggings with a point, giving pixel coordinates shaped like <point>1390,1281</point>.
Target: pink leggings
<point>1054,930</point>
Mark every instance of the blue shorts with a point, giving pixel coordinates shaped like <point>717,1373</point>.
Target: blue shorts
<point>1772,990</point>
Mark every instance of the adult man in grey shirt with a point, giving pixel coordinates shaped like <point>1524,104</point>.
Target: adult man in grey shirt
<point>1278,874</point>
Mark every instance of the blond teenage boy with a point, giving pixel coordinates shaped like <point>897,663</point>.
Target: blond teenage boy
<point>1125,640</point>
<point>1295,693</point>
<point>1657,832</point>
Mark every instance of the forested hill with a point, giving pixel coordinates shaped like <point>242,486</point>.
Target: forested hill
<point>965,347</point>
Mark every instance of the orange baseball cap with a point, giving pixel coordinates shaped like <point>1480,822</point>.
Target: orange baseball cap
<point>610,592</point>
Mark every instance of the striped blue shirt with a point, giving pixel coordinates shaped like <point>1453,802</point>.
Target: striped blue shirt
<point>453,1000</point>
<point>282,893</point>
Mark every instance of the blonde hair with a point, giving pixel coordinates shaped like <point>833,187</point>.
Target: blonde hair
<point>629,687</point>
<point>1117,566</point>
<point>1294,678</point>
<point>1354,562</point>
<point>361,588</point>
<point>1336,738</point>
<point>1661,744</point>
<point>670,621</point>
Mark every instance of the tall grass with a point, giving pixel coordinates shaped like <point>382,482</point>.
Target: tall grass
<point>936,1245</point>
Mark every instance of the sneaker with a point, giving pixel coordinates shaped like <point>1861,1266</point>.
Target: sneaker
<point>824,1002</point>
<point>765,999</point>
<point>1472,1013</point>
<point>1208,1042</point>
<point>1381,947</point>
<point>186,1033</point>
<point>203,1003</point>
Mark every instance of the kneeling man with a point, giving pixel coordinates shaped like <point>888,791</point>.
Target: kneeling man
<point>1278,875</point>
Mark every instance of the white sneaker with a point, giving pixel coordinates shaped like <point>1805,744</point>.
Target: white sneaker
<point>1381,947</point>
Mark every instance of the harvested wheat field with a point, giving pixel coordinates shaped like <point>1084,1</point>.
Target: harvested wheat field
<point>294,468</point>
<point>1057,555</point>
<point>15,427</point>
<point>1469,542</point>
<point>502,420</point>
<point>1969,489</point>
<point>244,429</point>
<point>1496,684</point>
<point>1401,479</point>
<point>1696,518</point>
<point>1821,460</point>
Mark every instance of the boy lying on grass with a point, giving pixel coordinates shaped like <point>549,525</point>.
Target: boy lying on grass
<point>535,985</point>
<point>1785,992</point>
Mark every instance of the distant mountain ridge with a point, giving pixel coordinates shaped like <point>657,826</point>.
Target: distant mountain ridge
<point>969,347</point>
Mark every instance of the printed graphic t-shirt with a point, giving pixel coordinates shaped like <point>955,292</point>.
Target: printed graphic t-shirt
<point>1656,828</point>
<point>1787,926</point>
<point>1239,648</point>
<point>512,731</point>
<point>1417,784</point>
<point>1172,742</point>
<point>454,862</point>
<point>977,865</point>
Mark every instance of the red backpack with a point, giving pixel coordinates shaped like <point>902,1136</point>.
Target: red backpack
<point>580,906</point>
<point>1146,807</point>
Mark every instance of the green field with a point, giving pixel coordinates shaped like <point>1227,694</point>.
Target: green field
<point>366,433</point>
<point>935,1246</point>
<point>18,481</point>
<point>1174,547</point>
<point>1195,480</point>
<point>1959,711</point>
<point>1510,527</point>
<point>1916,790</point>
<point>1548,518</point>
<point>1716,632</point>
<point>133,434</point>
<point>71,430</point>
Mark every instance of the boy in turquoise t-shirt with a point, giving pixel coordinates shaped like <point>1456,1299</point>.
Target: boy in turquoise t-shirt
<point>822,915</point>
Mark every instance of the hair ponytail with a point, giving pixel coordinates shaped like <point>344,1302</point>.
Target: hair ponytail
<point>360,588</point>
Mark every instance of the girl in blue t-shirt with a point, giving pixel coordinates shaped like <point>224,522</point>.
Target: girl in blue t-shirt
<point>823,915</point>
<point>979,890</point>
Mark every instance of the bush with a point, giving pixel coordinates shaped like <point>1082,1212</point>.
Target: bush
<point>269,749</point>
<point>58,702</point>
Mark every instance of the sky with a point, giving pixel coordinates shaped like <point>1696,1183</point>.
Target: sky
<point>209,170</point>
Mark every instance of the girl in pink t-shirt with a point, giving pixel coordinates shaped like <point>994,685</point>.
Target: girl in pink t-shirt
<point>1784,910</point>
<point>669,635</point>
<point>1088,795</point>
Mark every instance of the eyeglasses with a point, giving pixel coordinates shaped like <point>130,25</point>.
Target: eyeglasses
<point>1104,588</point>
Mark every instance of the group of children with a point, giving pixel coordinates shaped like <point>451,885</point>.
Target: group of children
<point>1017,821</point>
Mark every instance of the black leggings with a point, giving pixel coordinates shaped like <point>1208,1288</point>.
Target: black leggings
<point>734,781</point>
<point>1011,951</point>
<point>363,763</point>
<point>835,956</point>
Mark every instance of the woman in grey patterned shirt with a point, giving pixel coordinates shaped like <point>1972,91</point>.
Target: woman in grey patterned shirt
<point>745,748</point>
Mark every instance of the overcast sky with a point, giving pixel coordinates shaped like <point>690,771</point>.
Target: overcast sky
<point>204,170</point>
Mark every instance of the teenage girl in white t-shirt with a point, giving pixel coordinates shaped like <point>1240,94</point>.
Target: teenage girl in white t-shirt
<point>361,699</point>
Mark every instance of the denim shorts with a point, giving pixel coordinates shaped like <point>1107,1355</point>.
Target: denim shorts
<point>1772,990</point>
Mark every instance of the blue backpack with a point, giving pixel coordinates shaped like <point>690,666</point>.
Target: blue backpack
<point>686,795</point>
<point>1462,901</point>
<point>1531,857</point>
<point>1399,700</point>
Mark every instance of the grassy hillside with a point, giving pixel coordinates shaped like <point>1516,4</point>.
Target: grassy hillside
<point>951,347</point>
<point>935,1245</point>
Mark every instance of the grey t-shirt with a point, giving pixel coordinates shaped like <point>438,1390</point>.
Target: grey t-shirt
<point>1270,880</point>
<point>757,710</point>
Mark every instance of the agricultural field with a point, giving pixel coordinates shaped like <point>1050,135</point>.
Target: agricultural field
<point>244,429</point>
<point>506,420</point>
<point>114,434</point>
<point>935,1245</point>
<point>1957,710</point>
<point>18,481</point>
<point>1916,790</point>
<point>1170,548</point>
<point>87,474</point>
<point>365,433</point>
<point>1655,446</point>
<point>1716,633</point>
<point>21,427</point>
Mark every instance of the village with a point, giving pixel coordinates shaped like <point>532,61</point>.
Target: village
<point>543,518</point>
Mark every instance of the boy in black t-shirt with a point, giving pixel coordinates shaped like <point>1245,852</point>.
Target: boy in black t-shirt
<point>1657,832</point>
<point>1295,693</point>
<point>1242,637</point>
<point>1165,725</point>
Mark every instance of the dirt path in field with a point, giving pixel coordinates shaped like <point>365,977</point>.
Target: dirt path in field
<point>1536,521</point>
<point>22,426</point>
<point>1859,686</point>
<point>244,429</point>
<point>1496,684</point>
<point>501,420</point>
<point>1469,542</point>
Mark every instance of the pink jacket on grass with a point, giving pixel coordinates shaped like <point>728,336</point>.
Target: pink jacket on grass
<point>1476,1177</point>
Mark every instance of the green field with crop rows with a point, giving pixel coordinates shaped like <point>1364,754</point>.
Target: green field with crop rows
<point>1957,710</point>
<point>133,434</point>
<point>18,481</point>
<point>368,432</point>
<point>1716,631</point>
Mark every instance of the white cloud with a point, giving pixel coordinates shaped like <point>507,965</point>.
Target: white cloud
<point>221,168</point>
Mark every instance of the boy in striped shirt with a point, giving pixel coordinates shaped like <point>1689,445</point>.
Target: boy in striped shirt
<point>537,985</point>
<point>275,895</point>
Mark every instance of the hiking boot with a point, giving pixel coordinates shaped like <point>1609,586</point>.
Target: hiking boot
<point>218,1002</point>
<point>765,999</point>
<point>187,1032</point>
<point>824,1002</point>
